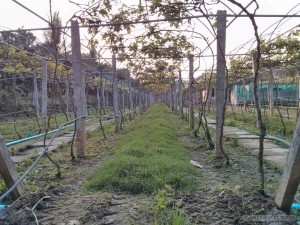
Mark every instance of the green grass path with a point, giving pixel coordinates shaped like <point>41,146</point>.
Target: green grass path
<point>148,157</point>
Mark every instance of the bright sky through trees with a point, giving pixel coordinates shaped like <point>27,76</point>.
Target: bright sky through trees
<point>14,16</point>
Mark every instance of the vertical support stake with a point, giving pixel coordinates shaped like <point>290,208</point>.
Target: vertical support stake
<point>8,170</point>
<point>79,91</point>
<point>220,79</point>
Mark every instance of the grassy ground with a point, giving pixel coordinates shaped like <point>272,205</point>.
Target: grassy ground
<point>148,158</point>
<point>24,127</point>
<point>247,120</point>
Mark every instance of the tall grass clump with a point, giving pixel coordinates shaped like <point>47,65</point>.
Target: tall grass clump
<point>146,159</point>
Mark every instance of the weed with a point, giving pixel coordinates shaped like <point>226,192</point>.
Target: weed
<point>233,142</point>
<point>2,186</point>
<point>230,122</point>
<point>273,165</point>
<point>165,212</point>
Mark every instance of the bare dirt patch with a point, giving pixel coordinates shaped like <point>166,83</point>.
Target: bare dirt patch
<point>226,194</point>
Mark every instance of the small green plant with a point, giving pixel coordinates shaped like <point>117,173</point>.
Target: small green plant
<point>230,122</point>
<point>233,142</point>
<point>165,212</point>
<point>273,165</point>
<point>2,186</point>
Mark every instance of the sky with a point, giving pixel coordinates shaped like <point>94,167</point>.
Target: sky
<point>14,16</point>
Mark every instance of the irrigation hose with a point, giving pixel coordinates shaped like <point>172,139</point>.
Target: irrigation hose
<point>269,137</point>
<point>37,160</point>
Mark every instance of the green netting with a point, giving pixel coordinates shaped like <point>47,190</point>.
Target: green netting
<point>288,92</point>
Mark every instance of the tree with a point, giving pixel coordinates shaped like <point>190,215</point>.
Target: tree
<point>53,35</point>
<point>21,39</point>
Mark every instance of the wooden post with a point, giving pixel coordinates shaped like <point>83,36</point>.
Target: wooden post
<point>44,94</point>
<point>8,171</point>
<point>191,97</point>
<point>291,176</point>
<point>36,96</point>
<point>79,91</point>
<point>130,96</point>
<point>116,95</point>
<point>220,80</point>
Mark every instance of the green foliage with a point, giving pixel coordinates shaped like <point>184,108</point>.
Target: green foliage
<point>233,142</point>
<point>146,159</point>
<point>153,40</point>
<point>248,122</point>
<point>164,212</point>
<point>283,51</point>
<point>25,126</point>
<point>2,186</point>
<point>231,122</point>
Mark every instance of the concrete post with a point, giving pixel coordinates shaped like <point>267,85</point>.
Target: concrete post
<point>244,95</point>
<point>67,95</point>
<point>235,96</point>
<point>98,98</point>
<point>291,176</point>
<point>140,99</point>
<point>191,96</point>
<point>103,94</point>
<point>79,91</point>
<point>220,80</point>
<point>130,96</point>
<point>180,93</point>
<point>254,65</point>
<point>36,96</point>
<point>116,95</point>
<point>174,87</point>
<point>271,94</point>
<point>8,171</point>
<point>44,94</point>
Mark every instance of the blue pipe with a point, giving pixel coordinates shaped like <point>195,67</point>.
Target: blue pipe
<point>38,135</point>
<point>295,206</point>
<point>2,206</point>
<point>33,137</point>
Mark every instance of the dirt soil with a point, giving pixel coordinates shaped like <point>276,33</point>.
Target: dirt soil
<point>227,194</point>
<point>224,193</point>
